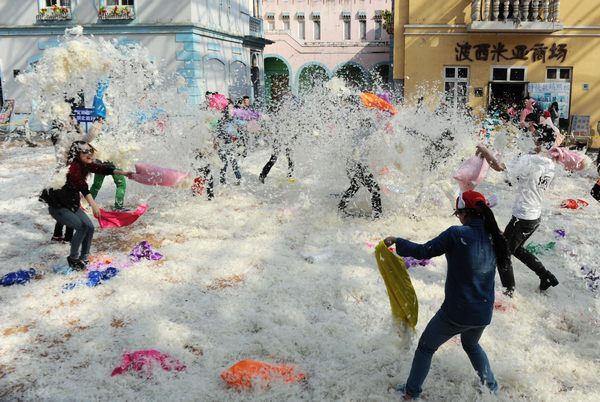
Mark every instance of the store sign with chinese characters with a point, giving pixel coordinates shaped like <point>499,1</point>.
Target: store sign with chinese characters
<point>498,52</point>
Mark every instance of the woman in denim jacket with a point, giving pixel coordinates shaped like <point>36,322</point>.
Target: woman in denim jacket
<point>471,251</point>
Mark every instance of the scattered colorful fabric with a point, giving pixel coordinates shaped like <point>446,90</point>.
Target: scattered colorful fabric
<point>63,269</point>
<point>152,175</point>
<point>217,101</point>
<point>371,100</point>
<point>471,173</point>
<point>592,278</point>
<point>574,203</point>
<point>198,185</point>
<point>109,220</point>
<point>143,250</point>
<point>246,374</point>
<point>143,361</point>
<point>536,248</point>
<point>20,277</point>
<point>245,114</point>
<point>560,234</point>
<point>403,299</point>
<point>94,279</point>
<point>415,262</point>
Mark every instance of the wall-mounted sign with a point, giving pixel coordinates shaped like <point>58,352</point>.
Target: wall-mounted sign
<point>497,52</point>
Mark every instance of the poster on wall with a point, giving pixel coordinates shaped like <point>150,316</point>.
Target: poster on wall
<point>548,92</point>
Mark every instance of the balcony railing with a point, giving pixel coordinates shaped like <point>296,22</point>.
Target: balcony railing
<point>515,15</point>
<point>256,27</point>
<point>54,14</point>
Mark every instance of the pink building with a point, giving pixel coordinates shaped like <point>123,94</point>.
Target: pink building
<point>316,39</point>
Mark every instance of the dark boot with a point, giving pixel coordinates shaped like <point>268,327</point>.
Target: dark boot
<point>547,281</point>
<point>76,264</point>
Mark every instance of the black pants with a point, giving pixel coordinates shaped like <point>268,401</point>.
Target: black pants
<point>267,168</point>
<point>516,233</point>
<point>209,182</point>
<point>58,228</point>
<point>360,175</point>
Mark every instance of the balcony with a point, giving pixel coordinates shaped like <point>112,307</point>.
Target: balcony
<point>116,13</point>
<point>256,27</point>
<point>54,13</point>
<point>541,16</point>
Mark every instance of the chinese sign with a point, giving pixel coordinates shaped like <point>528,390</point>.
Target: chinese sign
<point>498,51</point>
<point>548,92</point>
<point>85,115</point>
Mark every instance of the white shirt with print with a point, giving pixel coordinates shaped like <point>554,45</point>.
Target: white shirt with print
<point>532,175</point>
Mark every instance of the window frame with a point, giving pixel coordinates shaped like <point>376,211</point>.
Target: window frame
<point>508,72</point>
<point>120,3</point>
<point>558,71</point>
<point>301,29</point>
<point>362,24</point>
<point>317,32</point>
<point>456,80</point>
<point>347,24</point>
<point>378,29</point>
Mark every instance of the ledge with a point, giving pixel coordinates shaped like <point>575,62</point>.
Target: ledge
<point>509,26</point>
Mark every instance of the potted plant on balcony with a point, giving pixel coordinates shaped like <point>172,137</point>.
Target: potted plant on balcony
<point>43,13</point>
<point>102,11</point>
<point>64,11</point>
<point>125,11</point>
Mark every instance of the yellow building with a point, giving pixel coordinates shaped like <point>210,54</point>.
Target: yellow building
<point>492,52</point>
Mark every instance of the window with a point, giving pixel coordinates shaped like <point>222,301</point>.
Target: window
<point>347,32</point>
<point>509,74</point>
<point>270,25</point>
<point>363,29</point>
<point>317,30</point>
<point>301,30</point>
<point>558,74</point>
<point>119,2</point>
<point>378,29</point>
<point>286,25</point>
<point>60,3</point>
<point>456,86</point>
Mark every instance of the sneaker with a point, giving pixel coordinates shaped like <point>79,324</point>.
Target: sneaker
<point>76,264</point>
<point>401,389</point>
<point>261,179</point>
<point>121,209</point>
<point>509,292</point>
<point>546,282</point>
<point>58,239</point>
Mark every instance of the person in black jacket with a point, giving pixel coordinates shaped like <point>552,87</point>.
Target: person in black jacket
<point>63,203</point>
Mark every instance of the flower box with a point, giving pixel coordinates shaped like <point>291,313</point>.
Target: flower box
<point>54,13</point>
<point>116,13</point>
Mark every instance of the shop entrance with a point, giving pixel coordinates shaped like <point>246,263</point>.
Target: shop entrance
<point>504,94</point>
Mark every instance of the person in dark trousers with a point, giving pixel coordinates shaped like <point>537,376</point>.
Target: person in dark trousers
<point>226,137</point>
<point>277,146</point>
<point>533,174</point>
<point>359,172</point>
<point>471,252</point>
<point>63,203</point>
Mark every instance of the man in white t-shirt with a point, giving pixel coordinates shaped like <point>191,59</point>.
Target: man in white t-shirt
<point>532,174</point>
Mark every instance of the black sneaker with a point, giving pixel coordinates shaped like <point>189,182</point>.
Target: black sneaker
<point>58,239</point>
<point>509,292</point>
<point>547,281</point>
<point>76,264</point>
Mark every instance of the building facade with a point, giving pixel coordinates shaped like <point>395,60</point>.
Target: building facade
<point>491,53</point>
<point>216,45</point>
<point>319,39</point>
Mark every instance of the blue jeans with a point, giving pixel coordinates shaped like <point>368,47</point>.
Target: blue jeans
<point>439,330</point>
<point>84,230</point>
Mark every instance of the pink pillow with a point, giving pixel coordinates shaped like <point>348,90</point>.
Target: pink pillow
<point>153,175</point>
<point>471,173</point>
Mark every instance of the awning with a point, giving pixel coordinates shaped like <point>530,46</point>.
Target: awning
<point>300,15</point>
<point>346,15</point>
<point>316,15</point>
<point>285,15</point>
<point>270,16</point>
<point>362,15</point>
<point>378,15</point>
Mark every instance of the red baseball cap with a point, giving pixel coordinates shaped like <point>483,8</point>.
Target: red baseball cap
<point>547,114</point>
<point>469,199</point>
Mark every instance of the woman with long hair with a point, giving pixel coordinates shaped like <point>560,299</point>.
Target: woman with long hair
<point>471,251</point>
<point>63,204</point>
